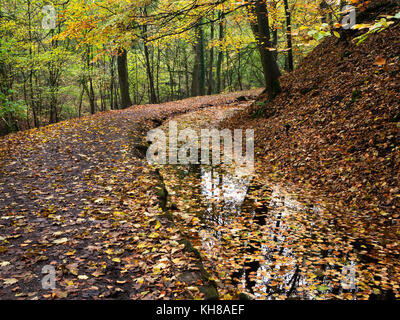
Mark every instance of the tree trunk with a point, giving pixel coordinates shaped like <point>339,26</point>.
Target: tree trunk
<point>32,100</point>
<point>211,63</point>
<point>199,72</point>
<point>195,77</point>
<point>122,63</point>
<point>289,36</point>
<point>261,31</point>
<point>239,75</point>
<point>113,102</point>
<point>90,93</point>
<point>80,102</point>
<point>220,52</point>
<point>53,85</point>
<point>323,6</point>
<point>274,31</point>
<point>202,73</point>
<point>152,90</point>
<point>186,72</point>
<point>158,74</point>
<point>92,97</point>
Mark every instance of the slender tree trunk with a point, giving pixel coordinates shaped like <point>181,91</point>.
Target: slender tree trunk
<point>158,74</point>
<point>211,63</point>
<point>229,72</point>
<point>199,72</point>
<point>80,102</point>
<point>102,101</point>
<point>220,52</point>
<point>53,85</point>
<point>171,83</point>
<point>90,93</point>
<point>136,95</point>
<point>274,24</point>
<point>323,6</point>
<point>239,75</point>
<point>32,101</point>
<point>152,91</point>
<point>112,86</point>
<point>186,73</point>
<point>202,74</point>
<point>149,69</point>
<point>122,62</point>
<point>92,97</point>
<point>195,77</point>
<point>289,35</point>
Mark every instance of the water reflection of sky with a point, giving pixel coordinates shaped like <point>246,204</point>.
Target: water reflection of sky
<point>222,198</point>
<point>224,194</point>
<point>280,207</point>
<point>223,190</point>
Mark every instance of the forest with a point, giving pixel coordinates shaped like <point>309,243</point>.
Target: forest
<point>199,150</point>
<point>66,59</point>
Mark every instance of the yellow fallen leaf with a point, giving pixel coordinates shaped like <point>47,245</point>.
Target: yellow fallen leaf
<point>140,280</point>
<point>60,241</point>
<point>10,281</point>
<point>4,263</point>
<point>97,273</point>
<point>154,235</point>
<point>109,251</point>
<point>193,289</point>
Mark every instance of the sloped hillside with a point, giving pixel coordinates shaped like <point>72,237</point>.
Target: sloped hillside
<point>335,131</point>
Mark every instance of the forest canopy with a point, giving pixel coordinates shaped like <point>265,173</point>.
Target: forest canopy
<point>65,59</point>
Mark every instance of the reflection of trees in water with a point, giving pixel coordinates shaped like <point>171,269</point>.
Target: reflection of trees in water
<point>223,195</point>
<point>279,207</point>
<point>273,278</point>
<point>219,197</point>
<point>287,276</point>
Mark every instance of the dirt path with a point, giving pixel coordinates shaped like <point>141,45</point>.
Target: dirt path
<point>77,196</point>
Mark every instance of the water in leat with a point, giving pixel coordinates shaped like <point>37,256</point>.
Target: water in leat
<point>219,198</point>
<point>220,195</point>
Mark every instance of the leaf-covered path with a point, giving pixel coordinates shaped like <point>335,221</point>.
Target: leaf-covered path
<point>79,196</point>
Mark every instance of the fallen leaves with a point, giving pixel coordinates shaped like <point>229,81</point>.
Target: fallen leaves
<point>4,263</point>
<point>340,154</point>
<point>60,241</point>
<point>380,61</point>
<point>76,197</point>
<point>10,281</point>
<point>98,273</point>
<point>60,294</point>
